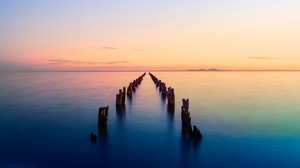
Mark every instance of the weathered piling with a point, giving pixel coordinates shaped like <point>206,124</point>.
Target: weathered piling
<point>140,79</point>
<point>154,79</point>
<point>129,89</point>
<point>160,84</point>
<point>185,117</point>
<point>102,117</point>
<point>163,89</point>
<point>120,103</point>
<point>121,96</point>
<point>185,103</point>
<point>194,133</point>
<point>171,97</point>
<point>134,83</point>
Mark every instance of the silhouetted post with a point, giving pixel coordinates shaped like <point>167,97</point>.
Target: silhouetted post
<point>155,80</point>
<point>102,117</point>
<point>123,95</point>
<point>129,89</point>
<point>185,103</point>
<point>171,97</point>
<point>187,129</point>
<point>163,89</point>
<point>185,117</point>
<point>196,133</point>
<point>134,85</point>
<point>186,122</point>
<point>119,98</point>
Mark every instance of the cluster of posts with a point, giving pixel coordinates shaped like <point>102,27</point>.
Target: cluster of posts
<point>187,129</point>
<point>120,97</point>
<point>120,102</point>
<point>186,122</point>
<point>169,94</point>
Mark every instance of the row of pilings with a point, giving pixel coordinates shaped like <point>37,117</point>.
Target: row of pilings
<point>121,96</point>
<point>165,93</point>
<point>187,129</point>
<point>186,120</point>
<point>120,103</point>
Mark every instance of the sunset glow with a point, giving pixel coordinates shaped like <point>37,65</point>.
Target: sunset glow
<point>149,35</point>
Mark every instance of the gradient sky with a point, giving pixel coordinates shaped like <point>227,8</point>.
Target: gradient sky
<point>149,34</point>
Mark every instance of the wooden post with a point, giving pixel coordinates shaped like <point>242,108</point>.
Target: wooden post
<point>123,95</point>
<point>129,89</point>
<point>185,117</point>
<point>171,96</point>
<point>196,133</point>
<point>102,116</point>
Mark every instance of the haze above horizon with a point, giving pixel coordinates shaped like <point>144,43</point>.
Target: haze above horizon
<point>153,35</point>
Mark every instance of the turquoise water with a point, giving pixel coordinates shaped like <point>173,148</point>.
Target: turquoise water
<point>248,119</point>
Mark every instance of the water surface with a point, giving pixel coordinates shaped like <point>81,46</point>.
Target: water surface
<point>248,119</point>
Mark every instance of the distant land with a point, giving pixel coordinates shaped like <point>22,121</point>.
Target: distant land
<point>242,70</point>
<point>210,69</point>
<point>154,70</point>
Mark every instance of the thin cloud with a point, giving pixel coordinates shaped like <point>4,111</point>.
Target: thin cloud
<point>39,65</point>
<point>267,58</point>
<point>102,67</point>
<point>63,61</point>
<point>106,48</point>
<point>115,62</point>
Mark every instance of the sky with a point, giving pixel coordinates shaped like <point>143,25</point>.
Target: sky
<point>149,35</point>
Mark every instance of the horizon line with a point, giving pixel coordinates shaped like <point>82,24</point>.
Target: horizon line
<point>157,70</point>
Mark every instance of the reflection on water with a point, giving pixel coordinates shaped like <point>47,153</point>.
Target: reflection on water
<point>189,151</point>
<point>171,112</point>
<point>121,113</point>
<point>248,119</point>
<point>102,132</point>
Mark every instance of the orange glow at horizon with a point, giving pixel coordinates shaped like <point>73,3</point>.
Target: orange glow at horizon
<point>248,35</point>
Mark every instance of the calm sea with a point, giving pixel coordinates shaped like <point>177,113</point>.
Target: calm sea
<point>248,119</point>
